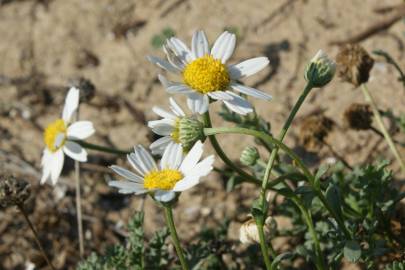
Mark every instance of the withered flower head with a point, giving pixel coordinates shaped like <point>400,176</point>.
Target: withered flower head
<point>313,131</point>
<point>13,191</point>
<point>248,233</point>
<point>354,64</point>
<point>358,116</point>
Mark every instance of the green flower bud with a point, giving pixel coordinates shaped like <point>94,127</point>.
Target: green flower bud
<point>190,131</point>
<point>320,71</point>
<point>249,156</point>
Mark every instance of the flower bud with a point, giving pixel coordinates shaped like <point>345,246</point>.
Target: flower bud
<point>354,64</point>
<point>190,131</point>
<point>13,191</point>
<point>320,70</point>
<point>249,156</point>
<point>358,116</point>
<point>248,233</point>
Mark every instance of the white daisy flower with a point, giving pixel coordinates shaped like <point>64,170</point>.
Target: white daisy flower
<point>168,127</point>
<point>205,73</point>
<point>174,174</point>
<point>57,137</point>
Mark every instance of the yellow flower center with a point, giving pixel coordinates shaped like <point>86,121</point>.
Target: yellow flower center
<point>165,179</point>
<point>55,135</point>
<point>176,132</point>
<point>206,74</point>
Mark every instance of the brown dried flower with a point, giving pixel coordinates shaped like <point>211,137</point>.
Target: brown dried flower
<point>248,233</point>
<point>358,116</point>
<point>314,130</point>
<point>13,191</point>
<point>354,64</point>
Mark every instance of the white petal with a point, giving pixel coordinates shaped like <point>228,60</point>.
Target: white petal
<point>126,187</point>
<point>248,67</point>
<point>159,146</point>
<point>199,44</point>
<point>80,130</point>
<point>181,50</point>
<point>172,156</point>
<point>126,174</point>
<point>238,104</point>
<point>132,159</point>
<point>75,151</point>
<point>46,164</point>
<point>201,169</point>
<point>197,103</point>
<point>164,196</point>
<point>250,91</point>
<point>162,127</point>
<point>163,113</point>
<point>58,159</point>
<point>220,95</point>
<point>144,159</point>
<point>173,87</point>
<point>192,157</point>
<point>162,64</point>
<point>71,104</point>
<point>186,183</point>
<point>176,108</point>
<point>224,46</point>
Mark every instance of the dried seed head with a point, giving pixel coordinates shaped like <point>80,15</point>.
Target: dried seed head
<point>314,129</point>
<point>87,88</point>
<point>358,116</point>
<point>248,233</point>
<point>249,156</point>
<point>13,191</point>
<point>354,64</point>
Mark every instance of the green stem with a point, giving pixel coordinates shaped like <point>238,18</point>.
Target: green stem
<point>175,238</point>
<point>281,136</point>
<point>384,130</point>
<point>320,263</point>
<point>263,246</point>
<point>223,156</point>
<point>101,148</point>
<point>292,155</point>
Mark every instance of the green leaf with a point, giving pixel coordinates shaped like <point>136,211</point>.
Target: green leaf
<point>281,257</point>
<point>333,197</point>
<point>352,251</point>
<point>321,171</point>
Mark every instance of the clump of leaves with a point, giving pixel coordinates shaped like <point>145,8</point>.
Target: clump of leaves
<point>135,254</point>
<point>365,199</point>
<point>159,40</point>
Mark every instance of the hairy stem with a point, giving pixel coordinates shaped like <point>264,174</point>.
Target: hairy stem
<point>292,155</point>
<point>27,219</point>
<point>175,238</point>
<point>384,130</point>
<point>101,148</point>
<point>79,203</point>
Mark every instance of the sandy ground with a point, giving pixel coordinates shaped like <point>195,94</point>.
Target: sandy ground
<point>45,44</point>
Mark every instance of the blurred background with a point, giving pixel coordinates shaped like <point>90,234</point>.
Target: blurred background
<point>46,45</point>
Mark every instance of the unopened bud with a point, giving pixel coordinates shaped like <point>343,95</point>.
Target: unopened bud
<point>191,130</point>
<point>249,156</point>
<point>320,70</point>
